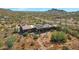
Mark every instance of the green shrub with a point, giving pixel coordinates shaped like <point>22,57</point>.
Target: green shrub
<point>10,41</point>
<point>25,34</point>
<point>35,36</point>
<point>66,30</point>
<point>58,37</point>
<point>71,32</point>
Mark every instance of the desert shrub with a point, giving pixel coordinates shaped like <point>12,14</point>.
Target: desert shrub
<point>10,41</point>
<point>74,33</point>
<point>35,36</point>
<point>25,34</point>
<point>58,37</point>
<point>66,30</point>
<point>71,32</point>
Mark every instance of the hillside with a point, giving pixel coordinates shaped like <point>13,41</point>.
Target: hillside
<point>39,34</point>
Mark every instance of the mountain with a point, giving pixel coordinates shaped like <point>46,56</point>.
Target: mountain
<point>56,11</point>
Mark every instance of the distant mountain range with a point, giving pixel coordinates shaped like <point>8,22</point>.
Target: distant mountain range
<point>56,11</point>
<point>52,11</point>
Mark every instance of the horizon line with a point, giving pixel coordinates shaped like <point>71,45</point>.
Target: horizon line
<point>43,9</point>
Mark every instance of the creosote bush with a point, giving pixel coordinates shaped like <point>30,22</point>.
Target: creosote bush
<point>58,37</point>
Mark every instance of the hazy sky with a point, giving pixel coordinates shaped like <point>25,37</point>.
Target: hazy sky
<point>43,9</point>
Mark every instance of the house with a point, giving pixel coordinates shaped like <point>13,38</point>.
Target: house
<point>37,28</point>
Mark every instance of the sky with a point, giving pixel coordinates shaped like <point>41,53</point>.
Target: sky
<point>43,9</point>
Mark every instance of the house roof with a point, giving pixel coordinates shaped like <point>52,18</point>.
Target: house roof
<point>43,26</point>
<point>24,27</point>
<point>38,26</point>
